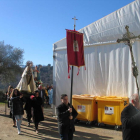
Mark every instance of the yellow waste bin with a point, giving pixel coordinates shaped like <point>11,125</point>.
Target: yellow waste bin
<point>86,107</point>
<point>110,108</point>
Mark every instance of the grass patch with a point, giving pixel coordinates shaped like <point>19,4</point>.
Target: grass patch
<point>3,102</point>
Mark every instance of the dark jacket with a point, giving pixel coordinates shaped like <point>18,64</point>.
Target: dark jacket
<point>37,109</point>
<point>64,123</point>
<point>9,101</point>
<point>43,94</point>
<point>28,104</point>
<point>11,105</point>
<point>130,118</point>
<point>17,104</point>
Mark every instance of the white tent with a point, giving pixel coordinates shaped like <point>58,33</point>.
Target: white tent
<point>108,64</point>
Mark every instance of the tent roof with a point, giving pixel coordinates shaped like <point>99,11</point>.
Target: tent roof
<point>110,27</point>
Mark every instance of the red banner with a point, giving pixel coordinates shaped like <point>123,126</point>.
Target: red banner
<point>75,50</point>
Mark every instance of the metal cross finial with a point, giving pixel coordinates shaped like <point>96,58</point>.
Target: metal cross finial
<point>128,39</point>
<point>74,22</point>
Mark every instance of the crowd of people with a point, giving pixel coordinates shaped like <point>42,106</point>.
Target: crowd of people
<point>25,98</point>
<point>33,104</point>
<point>66,114</point>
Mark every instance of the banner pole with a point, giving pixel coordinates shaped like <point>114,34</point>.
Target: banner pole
<point>71,86</point>
<point>72,69</point>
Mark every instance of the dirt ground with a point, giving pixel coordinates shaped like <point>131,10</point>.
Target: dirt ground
<point>48,129</point>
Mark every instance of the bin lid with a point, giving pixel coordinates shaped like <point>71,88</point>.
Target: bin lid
<point>84,97</point>
<point>111,98</point>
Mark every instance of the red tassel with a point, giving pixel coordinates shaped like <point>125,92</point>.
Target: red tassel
<point>68,76</point>
<point>78,71</point>
<point>69,71</point>
<point>85,67</point>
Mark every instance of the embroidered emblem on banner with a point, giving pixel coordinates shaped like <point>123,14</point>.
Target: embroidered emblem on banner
<point>75,46</point>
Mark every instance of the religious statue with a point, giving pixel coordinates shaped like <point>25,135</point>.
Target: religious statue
<point>27,82</point>
<point>37,75</point>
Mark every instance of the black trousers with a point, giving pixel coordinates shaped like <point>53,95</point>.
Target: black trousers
<point>13,117</point>
<point>47,98</point>
<point>36,125</point>
<point>67,136</point>
<point>10,114</point>
<point>29,115</point>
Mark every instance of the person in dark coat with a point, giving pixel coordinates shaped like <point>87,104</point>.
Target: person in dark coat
<point>42,94</point>
<point>66,115</point>
<point>37,110</point>
<point>11,106</point>
<point>17,101</point>
<point>10,90</point>
<point>130,118</point>
<point>28,110</point>
<point>47,87</point>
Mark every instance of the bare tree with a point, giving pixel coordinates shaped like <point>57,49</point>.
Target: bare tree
<point>10,60</point>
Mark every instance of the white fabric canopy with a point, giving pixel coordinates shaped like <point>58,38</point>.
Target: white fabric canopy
<point>108,64</point>
<point>111,27</point>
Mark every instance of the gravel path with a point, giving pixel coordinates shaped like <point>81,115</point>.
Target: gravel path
<point>48,129</point>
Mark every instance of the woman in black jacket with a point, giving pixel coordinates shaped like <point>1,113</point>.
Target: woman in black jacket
<point>10,91</point>
<point>11,107</point>
<point>17,101</point>
<point>37,110</point>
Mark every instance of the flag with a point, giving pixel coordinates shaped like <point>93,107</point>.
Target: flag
<point>75,50</point>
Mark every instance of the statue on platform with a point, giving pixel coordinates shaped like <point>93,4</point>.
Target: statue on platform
<point>36,72</point>
<point>37,75</point>
<point>27,82</point>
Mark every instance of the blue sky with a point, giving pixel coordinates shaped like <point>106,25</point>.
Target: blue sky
<point>35,25</point>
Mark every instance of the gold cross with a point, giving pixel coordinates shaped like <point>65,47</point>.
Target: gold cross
<point>128,36</point>
<point>74,22</point>
<point>127,39</point>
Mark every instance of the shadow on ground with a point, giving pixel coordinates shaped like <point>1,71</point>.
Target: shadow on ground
<point>48,129</point>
